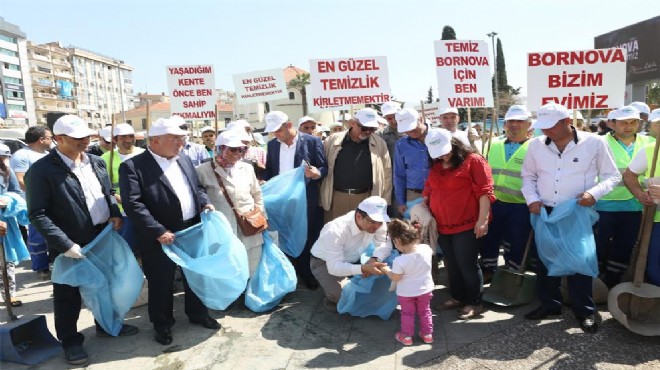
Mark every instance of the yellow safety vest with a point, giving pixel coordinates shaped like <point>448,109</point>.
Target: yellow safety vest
<point>506,174</point>
<point>622,160</point>
<point>113,172</point>
<point>648,148</point>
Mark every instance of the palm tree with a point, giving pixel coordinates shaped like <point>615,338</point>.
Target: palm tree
<point>299,83</point>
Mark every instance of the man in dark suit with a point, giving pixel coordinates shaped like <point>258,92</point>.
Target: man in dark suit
<point>161,195</point>
<point>289,150</point>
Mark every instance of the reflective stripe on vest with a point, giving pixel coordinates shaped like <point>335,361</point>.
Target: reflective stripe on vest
<point>622,160</point>
<point>506,174</point>
<point>649,148</point>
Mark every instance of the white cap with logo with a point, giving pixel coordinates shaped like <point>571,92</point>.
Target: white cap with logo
<point>438,141</point>
<point>5,151</point>
<point>625,113</point>
<point>655,115</point>
<point>367,117</point>
<point>549,114</point>
<point>389,107</point>
<point>376,208</point>
<point>105,133</point>
<point>448,110</point>
<point>517,113</point>
<point>72,126</point>
<point>166,126</point>
<point>641,107</point>
<point>123,129</point>
<point>578,114</point>
<point>406,119</point>
<point>274,120</point>
<point>305,119</point>
<point>230,138</point>
<point>206,129</point>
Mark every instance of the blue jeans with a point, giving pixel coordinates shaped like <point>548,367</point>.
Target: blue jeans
<point>653,262</point>
<point>38,250</point>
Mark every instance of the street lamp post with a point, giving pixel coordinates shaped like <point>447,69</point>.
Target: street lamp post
<point>492,39</point>
<point>120,75</point>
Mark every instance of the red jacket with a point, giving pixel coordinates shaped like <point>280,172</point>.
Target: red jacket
<point>454,193</point>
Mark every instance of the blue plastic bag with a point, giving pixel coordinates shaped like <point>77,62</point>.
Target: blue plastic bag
<point>213,259</point>
<point>275,277</point>
<point>565,239</point>
<point>285,199</point>
<point>109,279</point>
<point>409,205</point>
<point>369,296</point>
<point>14,214</point>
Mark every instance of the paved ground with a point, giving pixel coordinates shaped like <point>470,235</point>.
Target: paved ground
<point>301,333</point>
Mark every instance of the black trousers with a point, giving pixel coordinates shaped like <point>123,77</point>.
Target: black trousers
<point>159,270</point>
<point>314,226</point>
<point>66,307</point>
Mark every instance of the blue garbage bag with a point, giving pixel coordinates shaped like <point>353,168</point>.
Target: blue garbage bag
<point>285,199</point>
<point>109,279</point>
<point>565,239</point>
<point>274,278</point>
<point>14,214</point>
<point>369,296</point>
<point>409,205</point>
<point>213,259</point>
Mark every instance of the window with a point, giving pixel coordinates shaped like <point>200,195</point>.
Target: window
<point>8,52</point>
<point>15,107</point>
<point>227,120</point>
<point>13,67</point>
<point>12,80</point>
<point>15,94</point>
<point>8,38</point>
<point>292,96</point>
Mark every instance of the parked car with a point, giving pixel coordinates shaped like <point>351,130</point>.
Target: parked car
<point>13,144</point>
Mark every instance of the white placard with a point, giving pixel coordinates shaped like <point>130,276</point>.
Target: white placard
<point>431,111</point>
<point>192,91</point>
<point>583,79</point>
<point>260,86</point>
<point>348,81</point>
<point>464,77</point>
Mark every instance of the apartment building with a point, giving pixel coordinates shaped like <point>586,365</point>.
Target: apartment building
<point>16,101</point>
<point>52,79</point>
<point>103,86</point>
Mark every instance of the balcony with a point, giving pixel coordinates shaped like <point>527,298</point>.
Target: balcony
<point>46,95</point>
<point>40,57</point>
<point>37,69</point>
<point>63,74</point>
<point>67,110</point>
<point>61,62</point>
<point>43,82</point>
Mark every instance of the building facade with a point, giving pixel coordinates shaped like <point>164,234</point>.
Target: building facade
<point>103,86</point>
<point>16,100</point>
<point>52,79</point>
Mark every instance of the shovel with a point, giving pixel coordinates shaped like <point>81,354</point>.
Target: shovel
<point>512,287</point>
<point>24,340</point>
<point>636,305</point>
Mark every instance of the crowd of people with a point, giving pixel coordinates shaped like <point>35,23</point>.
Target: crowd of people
<point>366,180</point>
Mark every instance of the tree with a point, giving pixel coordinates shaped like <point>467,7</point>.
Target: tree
<point>448,33</point>
<point>653,96</point>
<point>503,84</point>
<point>300,83</point>
<point>506,94</point>
<point>429,96</point>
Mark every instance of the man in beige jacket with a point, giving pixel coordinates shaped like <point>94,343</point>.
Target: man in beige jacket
<point>359,166</point>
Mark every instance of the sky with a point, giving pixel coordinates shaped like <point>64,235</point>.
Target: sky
<point>252,35</point>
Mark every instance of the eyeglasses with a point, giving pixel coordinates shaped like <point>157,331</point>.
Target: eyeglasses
<point>240,149</point>
<point>366,129</point>
<point>370,220</point>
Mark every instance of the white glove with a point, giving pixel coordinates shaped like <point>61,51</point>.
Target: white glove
<point>75,252</point>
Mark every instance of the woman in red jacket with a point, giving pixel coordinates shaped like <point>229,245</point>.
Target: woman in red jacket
<point>459,191</point>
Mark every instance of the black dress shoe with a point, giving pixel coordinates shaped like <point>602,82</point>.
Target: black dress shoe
<point>589,323</point>
<point>125,331</point>
<point>541,313</point>
<point>206,322</point>
<point>76,355</point>
<point>163,336</point>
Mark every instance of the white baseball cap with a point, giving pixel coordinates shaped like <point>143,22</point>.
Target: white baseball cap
<point>438,142</point>
<point>655,115</point>
<point>578,114</point>
<point>165,126</point>
<point>389,107</point>
<point>230,138</point>
<point>549,114</point>
<point>376,208</point>
<point>381,121</point>
<point>73,126</point>
<point>448,110</point>
<point>5,151</point>
<point>641,107</point>
<point>123,129</point>
<point>274,120</point>
<point>305,119</point>
<point>610,115</point>
<point>367,117</point>
<point>627,112</point>
<point>517,113</point>
<point>241,123</point>
<point>206,129</point>
<point>105,133</point>
<point>258,138</point>
<point>406,119</point>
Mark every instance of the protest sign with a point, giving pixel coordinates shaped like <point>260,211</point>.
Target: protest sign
<point>192,91</point>
<point>464,77</point>
<point>583,79</point>
<point>348,81</point>
<point>431,112</point>
<point>260,86</point>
